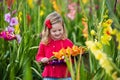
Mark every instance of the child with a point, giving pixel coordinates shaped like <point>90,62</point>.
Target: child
<point>53,39</point>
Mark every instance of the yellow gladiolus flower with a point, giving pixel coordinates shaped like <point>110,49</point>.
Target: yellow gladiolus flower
<point>118,39</point>
<point>19,16</point>
<point>17,29</point>
<point>30,3</point>
<point>94,48</point>
<point>100,55</point>
<point>114,31</point>
<point>41,13</point>
<point>20,13</point>
<point>106,65</point>
<point>105,39</point>
<point>92,32</point>
<point>84,1</point>
<point>107,30</point>
<point>118,36</point>
<point>98,44</point>
<point>89,44</point>
<point>107,23</point>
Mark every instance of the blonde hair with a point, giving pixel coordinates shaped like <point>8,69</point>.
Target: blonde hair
<point>54,18</point>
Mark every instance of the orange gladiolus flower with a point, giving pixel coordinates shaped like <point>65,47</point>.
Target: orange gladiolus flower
<point>85,30</point>
<point>69,51</point>
<point>60,54</point>
<point>57,55</point>
<point>62,51</point>
<point>82,50</point>
<point>76,50</point>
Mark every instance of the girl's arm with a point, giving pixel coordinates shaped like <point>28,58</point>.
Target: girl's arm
<point>40,54</point>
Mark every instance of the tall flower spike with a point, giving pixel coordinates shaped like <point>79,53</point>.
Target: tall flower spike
<point>48,24</point>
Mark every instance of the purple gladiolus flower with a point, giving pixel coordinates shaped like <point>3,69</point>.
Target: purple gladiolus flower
<point>18,38</point>
<point>7,35</point>
<point>13,21</point>
<point>10,29</point>
<point>7,17</point>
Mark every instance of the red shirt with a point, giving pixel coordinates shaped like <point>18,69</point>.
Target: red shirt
<point>54,71</point>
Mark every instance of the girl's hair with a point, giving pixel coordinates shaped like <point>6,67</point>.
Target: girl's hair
<point>54,18</point>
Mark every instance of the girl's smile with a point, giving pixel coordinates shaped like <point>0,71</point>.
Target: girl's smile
<point>56,32</point>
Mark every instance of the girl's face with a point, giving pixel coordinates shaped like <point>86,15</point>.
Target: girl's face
<point>56,32</point>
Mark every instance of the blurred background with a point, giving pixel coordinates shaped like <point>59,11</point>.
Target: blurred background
<point>93,24</point>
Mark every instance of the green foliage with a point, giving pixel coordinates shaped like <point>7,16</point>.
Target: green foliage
<point>17,61</point>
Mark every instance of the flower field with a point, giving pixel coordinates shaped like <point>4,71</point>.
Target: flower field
<point>93,25</point>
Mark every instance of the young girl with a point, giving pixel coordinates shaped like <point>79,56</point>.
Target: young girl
<point>53,39</point>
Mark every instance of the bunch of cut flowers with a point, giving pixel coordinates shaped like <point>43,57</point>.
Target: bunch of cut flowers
<point>63,54</point>
<point>68,56</point>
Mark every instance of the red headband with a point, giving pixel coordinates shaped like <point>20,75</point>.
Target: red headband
<point>48,24</point>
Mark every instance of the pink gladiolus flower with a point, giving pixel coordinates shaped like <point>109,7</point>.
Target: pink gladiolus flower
<point>71,14</point>
<point>72,11</point>
<point>13,21</point>
<point>7,35</point>
<point>72,6</point>
<point>7,17</point>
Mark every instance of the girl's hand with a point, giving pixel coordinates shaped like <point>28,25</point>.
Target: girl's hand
<point>44,60</point>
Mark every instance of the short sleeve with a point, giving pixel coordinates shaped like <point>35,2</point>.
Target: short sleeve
<point>40,53</point>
